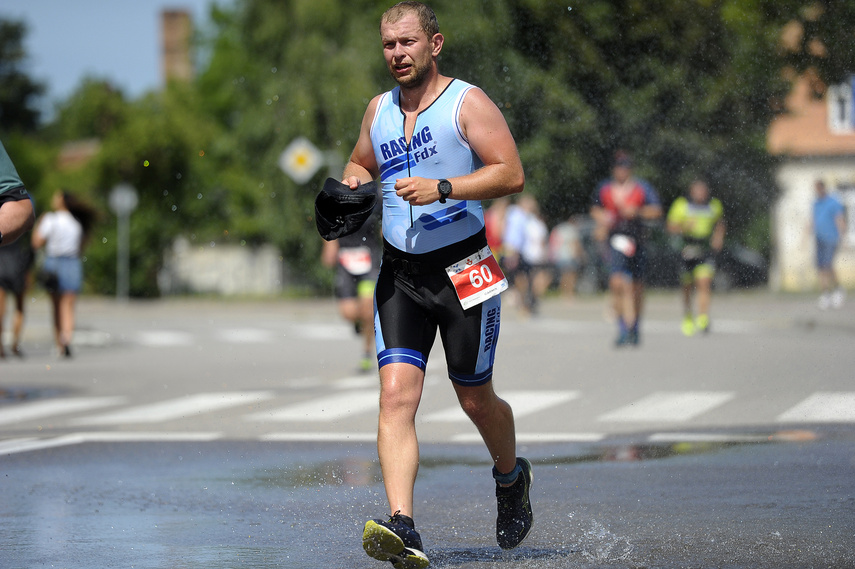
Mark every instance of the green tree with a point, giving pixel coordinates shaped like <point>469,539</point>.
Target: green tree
<point>685,85</point>
<point>688,86</point>
<point>18,91</point>
<point>822,39</point>
<point>279,70</point>
<point>94,110</point>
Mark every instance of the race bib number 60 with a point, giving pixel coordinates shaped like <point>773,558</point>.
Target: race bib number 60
<point>477,278</point>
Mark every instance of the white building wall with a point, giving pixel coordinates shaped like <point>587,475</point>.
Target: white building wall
<point>221,269</point>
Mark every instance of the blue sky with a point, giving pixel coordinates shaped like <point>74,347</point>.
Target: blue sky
<point>117,40</point>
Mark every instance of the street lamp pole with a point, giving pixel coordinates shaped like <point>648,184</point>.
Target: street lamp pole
<point>123,201</point>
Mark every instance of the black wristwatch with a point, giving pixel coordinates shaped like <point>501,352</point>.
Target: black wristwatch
<point>1,236</point>
<point>444,187</point>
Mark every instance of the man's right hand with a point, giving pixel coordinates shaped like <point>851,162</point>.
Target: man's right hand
<point>351,181</point>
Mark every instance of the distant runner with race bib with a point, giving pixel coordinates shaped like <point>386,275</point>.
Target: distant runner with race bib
<point>698,223</point>
<point>619,207</point>
<point>438,146</point>
<point>356,259</point>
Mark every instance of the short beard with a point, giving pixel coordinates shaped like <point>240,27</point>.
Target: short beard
<point>413,80</point>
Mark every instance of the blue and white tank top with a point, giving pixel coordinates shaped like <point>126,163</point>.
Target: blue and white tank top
<point>437,150</point>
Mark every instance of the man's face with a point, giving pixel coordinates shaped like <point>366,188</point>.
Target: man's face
<point>699,192</point>
<point>621,173</point>
<point>407,50</point>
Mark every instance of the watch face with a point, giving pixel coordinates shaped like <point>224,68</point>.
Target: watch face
<point>445,187</point>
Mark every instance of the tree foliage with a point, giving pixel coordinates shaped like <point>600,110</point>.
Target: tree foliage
<point>18,91</point>
<point>687,86</point>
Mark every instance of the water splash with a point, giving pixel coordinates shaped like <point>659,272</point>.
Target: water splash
<point>601,545</point>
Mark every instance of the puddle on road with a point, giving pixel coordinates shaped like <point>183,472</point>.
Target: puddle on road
<point>339,472</point>
<point>360,471</point>
<point>12,394</point>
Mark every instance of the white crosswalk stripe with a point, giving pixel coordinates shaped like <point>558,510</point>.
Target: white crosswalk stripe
<point>163,338</point>
<point>823,408</point>
<point>182,407</point>
<point>358,395</point>
<point>320,437</point>
<point>54,407</point>
<point>669,406</point>
<point>324,409</point>
<point>523,403</point>
<point>13,446</point>
<point>247,336</point>
<point>528,438</point>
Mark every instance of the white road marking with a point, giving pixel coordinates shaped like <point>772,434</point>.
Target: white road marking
<point>321,331</point>
<point>669,406</point>
<point>357,382</point>
<point>706,438</point>
<point>246,336</point>
<point>182,407</point>
<point>50,407</point>
<point>163,338</point>
<point>13,446</point>
<point>323,409</point>
<point>523,403</point>
<point>572,327</point>
<point>529,438</point>
<point>320,437</point>
<point>828,407</point>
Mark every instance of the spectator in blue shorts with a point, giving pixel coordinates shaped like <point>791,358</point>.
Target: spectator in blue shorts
<point>63,232</point>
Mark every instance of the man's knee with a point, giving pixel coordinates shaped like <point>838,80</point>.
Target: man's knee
<point>400,388</point>
<point>479,404</point>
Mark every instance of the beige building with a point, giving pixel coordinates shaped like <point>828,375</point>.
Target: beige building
<point>815,140</point>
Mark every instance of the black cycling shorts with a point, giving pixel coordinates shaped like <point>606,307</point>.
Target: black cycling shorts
<point>411,307</point>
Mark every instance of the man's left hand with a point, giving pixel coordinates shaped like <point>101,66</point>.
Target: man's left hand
<point>417,191</point>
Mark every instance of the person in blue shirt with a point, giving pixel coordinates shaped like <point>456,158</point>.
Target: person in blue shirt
<point>829,225</point>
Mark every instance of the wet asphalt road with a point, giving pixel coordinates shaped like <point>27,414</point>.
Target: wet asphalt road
<point>298,505</point>
<point>746,483</point>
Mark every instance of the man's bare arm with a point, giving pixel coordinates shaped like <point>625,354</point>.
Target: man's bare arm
<point>490,138</point>
<point>362,166</point>
<point>16,218</point>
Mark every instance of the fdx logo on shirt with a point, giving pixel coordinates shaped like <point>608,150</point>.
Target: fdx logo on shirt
<point>419,149</point>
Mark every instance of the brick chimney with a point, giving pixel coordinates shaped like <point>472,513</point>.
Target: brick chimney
<point>176,33</point>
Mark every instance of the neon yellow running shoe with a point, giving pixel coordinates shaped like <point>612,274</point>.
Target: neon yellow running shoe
<point>395,540</point>
<point>703,323</point>
<point>366,364</point>
<point>688,326</point>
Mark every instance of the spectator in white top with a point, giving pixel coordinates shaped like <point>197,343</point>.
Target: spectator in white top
<point>63,232</point>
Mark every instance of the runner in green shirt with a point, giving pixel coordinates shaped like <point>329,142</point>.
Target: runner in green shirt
<point>699,223</point>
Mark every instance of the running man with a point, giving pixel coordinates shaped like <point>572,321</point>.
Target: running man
<point>356,259</point>
<point>438,146</point>
<point>699,222</point>
<point>620,206</point>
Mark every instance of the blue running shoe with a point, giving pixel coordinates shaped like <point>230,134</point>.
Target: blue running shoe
<point>395,540</point>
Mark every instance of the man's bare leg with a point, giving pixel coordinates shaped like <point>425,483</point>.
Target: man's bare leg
<point>495,421</point>
<point>397,445</point>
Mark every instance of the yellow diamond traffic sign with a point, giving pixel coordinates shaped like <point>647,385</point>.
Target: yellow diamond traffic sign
<point>300,160</point>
